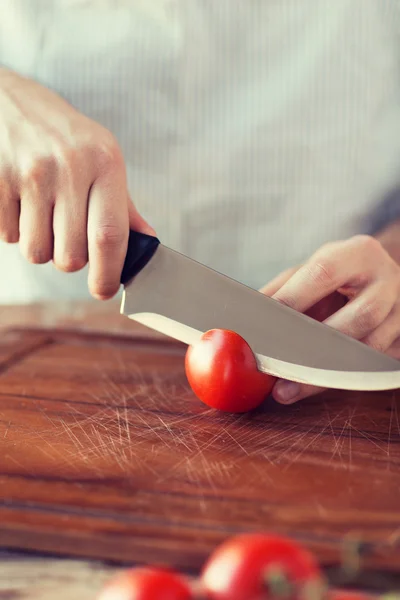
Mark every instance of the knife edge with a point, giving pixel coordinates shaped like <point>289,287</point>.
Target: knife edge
<point>340,380</point>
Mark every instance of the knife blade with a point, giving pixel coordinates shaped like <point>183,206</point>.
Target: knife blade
<point>181,298</point>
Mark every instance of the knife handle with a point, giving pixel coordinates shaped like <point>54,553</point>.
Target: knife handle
<point>141,248</point>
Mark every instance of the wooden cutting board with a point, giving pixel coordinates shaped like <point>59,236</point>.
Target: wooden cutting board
<point>105,453</point>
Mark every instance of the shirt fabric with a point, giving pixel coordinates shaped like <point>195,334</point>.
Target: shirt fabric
<point>253,131</point>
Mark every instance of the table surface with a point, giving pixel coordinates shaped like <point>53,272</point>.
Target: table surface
<point>25,576</point>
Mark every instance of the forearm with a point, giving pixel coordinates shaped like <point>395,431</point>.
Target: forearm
<point>9,80</point>
<point>390,239</point>
<point>6,73</point>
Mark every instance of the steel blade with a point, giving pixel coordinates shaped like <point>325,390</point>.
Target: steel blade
<point>182,298</point>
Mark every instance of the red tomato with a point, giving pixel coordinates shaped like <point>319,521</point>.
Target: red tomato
<point>243,568</point>
<point>222,371</point>
<point>147,584</point>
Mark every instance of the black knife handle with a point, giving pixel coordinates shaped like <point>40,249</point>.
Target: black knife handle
<point>141,248</point>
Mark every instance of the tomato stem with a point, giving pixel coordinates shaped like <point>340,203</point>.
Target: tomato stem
<point>352,553</point>
<point>277,584</point>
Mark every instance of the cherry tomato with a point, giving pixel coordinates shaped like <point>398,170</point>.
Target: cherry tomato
<point>222,371</point>
<point>147,584</point>
<point>250,567</point>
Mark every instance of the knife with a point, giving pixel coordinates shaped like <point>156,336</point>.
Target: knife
<point>181,298</point>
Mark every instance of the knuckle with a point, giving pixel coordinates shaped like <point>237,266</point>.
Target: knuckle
<point>32,179</point>
<point>377,344</point>
<point>368,244</point>
<point>108,153</point>
<point>328,248</point>
<point>103,290</point>
<point>370,314</point>
<point>35,170</point>
<point>109,236</point>
<point>36,175</point>
<point>68,158</point>
<point>322,272</point>
<point>37,256</point>
<point>286,299</point>
<point>9,236</point>
<point>70,263</point>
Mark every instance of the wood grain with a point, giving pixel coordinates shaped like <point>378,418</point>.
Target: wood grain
<point>105,453</point>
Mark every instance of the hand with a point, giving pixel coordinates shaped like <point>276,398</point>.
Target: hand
<point>353,286</point>
<point>63,188</point>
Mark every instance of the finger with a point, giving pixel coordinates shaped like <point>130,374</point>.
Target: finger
<point>108,230</point>
<point>289,392</point>
<point>382,338</point>
<point>394,348</point>
<point>36,230</point>
<point>269,289</point>
<point>36,215</point>
<point>137,222</point>
<point>366,312</point>
<point>70,223</point>
<point>9,211</point>
<point>330,269</point>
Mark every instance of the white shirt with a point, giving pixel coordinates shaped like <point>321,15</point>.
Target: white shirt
<point>253,130</point>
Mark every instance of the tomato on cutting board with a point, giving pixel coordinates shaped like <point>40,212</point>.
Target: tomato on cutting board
<point>261,567</point>
<point>222,371</point>
<point>147,584</point>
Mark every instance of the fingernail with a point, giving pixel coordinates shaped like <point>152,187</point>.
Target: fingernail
<point>287,391</point>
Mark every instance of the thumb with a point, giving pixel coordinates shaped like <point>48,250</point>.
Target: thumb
<point>289,392</point>
<point>137,222</point>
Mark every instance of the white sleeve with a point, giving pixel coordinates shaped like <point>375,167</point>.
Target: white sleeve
<point>388,210</point>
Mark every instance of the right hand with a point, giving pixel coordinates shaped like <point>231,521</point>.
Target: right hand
<point>63,188</point>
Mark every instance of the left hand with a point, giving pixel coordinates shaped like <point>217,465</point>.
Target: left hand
<point>353,286</point>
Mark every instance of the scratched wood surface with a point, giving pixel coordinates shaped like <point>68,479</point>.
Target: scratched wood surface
<point>355,437</point>
<point>105,453</point>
